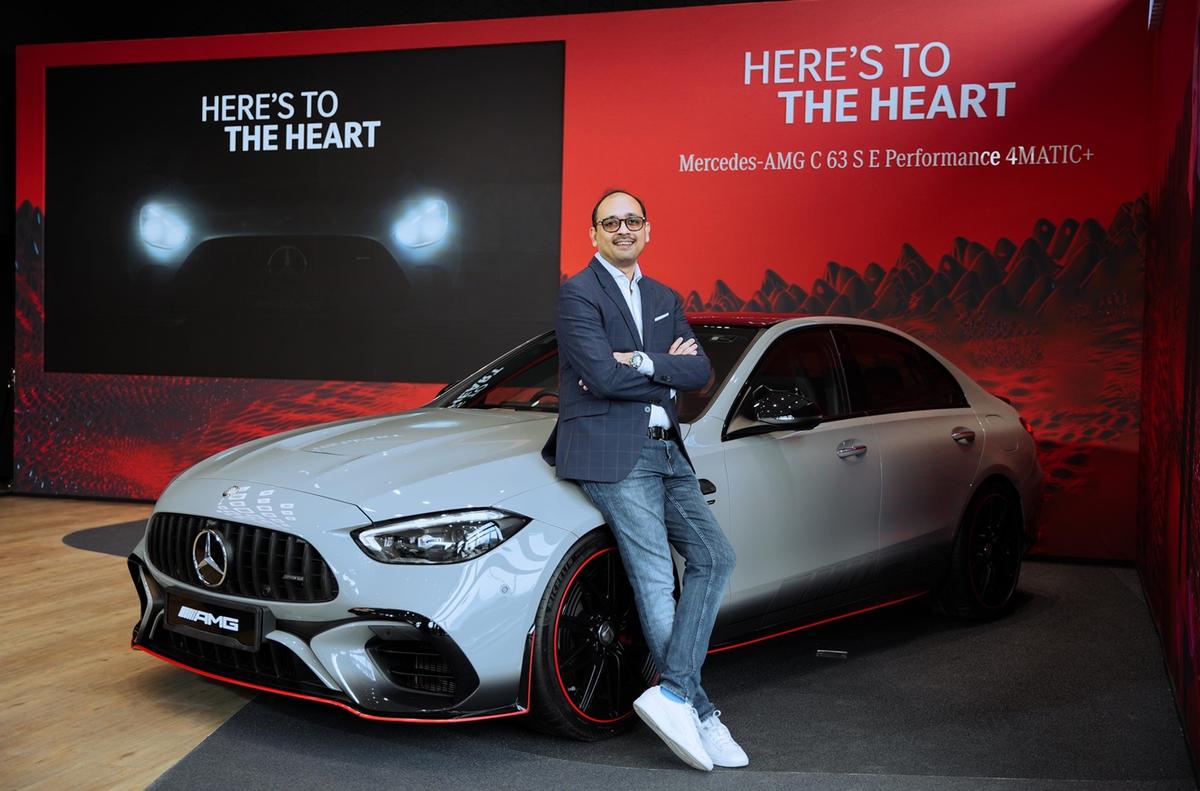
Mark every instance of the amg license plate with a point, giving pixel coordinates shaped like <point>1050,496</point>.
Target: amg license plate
<point>216,622</point>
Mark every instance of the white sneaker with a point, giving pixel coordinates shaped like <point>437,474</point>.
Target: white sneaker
<point>719,745</point>
<point>676,724</point>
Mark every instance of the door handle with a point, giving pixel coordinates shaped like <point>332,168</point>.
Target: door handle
<point>962,434</point>
<point>850,447</point>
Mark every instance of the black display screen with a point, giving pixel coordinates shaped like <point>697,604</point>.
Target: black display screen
<point>369,216</point>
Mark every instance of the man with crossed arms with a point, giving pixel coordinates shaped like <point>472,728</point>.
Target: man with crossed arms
<point>624,348</point>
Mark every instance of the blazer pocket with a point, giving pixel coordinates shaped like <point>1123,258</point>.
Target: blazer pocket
<point>593,406</point>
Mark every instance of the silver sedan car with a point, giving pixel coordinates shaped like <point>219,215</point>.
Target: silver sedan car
<point>429,566</point>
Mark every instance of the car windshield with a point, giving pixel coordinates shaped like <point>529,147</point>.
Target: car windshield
<point>527,377</point>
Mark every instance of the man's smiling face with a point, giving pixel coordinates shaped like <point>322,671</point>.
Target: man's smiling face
<point>621,247</point>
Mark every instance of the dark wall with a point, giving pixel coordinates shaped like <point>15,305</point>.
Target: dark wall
<point>1169,465</point>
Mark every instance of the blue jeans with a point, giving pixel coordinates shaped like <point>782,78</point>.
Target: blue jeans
<point>660,502</point>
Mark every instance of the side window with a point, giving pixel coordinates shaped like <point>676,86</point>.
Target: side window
<point>805,362</point>
<point>886,373</point>
<point>944,390</point>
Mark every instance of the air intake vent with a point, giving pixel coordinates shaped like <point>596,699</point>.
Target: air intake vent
<point>272,666</point>
<point>415,665</point>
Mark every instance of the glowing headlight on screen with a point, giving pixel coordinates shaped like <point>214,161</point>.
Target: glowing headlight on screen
<point>424,224</point>
<point>440,538</point>
<point>162,227</point>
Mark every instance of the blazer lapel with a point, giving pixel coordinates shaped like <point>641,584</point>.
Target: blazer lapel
<point>610,288</point>
<point>648,322</point>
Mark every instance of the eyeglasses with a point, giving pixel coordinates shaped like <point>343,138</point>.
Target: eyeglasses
<point>633,223</point>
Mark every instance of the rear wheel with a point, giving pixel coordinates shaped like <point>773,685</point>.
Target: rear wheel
<point>591,661</point>
<point>986,560</point>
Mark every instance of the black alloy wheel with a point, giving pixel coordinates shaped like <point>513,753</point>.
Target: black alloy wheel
<point>591,658</point>
<point>985,564</point>
<point>994,551</point>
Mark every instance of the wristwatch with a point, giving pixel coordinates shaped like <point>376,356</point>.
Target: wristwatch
<point>636,360</point>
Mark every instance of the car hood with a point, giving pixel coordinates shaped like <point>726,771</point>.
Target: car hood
<point>411,463</point>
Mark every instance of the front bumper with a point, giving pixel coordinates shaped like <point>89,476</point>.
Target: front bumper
<point>405,668</point>
<point>448,642</point>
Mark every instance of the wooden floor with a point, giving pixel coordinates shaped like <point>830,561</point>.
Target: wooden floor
<point>80,709</point>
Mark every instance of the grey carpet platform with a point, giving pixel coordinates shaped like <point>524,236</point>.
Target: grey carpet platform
<point>1068,692</point>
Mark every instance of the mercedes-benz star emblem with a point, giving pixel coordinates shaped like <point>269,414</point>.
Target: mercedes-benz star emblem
<point>229,491</point>
<point>287,261</point>
<point>210,557</point>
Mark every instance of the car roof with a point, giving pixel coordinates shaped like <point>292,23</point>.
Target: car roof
<point>766,320</point>
<point>744,319</point>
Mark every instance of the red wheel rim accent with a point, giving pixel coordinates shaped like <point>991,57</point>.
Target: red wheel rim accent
<point>555,637</point>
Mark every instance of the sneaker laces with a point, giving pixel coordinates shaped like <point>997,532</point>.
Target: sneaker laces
<point>716,729</point>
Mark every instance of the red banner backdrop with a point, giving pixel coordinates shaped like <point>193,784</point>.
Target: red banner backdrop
<point>972,173</point>
<point>1169,480</point>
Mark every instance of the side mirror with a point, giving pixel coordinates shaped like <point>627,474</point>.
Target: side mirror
<point>784,408</point>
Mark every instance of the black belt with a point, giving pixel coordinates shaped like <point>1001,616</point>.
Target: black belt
<point>658,432</point>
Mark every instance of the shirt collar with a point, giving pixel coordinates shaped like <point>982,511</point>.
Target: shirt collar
<point>617,274</point>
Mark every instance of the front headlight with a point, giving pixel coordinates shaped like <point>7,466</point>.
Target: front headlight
<point>439,538</point>
<point>423,224</point>
<point>162,226</point>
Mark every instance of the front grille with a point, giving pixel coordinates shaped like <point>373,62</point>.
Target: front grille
<point>266,564</point>
<point>415,665</point>
<point>272,665</point>
<point>330,275</point>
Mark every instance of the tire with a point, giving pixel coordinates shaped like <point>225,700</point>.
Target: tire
<point>590,659</point>
<point>985,563</point>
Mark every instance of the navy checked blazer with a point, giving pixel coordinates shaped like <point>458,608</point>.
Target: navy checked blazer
<point>601,430</point>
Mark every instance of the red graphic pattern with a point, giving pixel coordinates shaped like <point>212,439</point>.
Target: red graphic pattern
<point>1052,324</point>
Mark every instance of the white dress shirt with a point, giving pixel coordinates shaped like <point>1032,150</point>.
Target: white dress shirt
<point>633,298</point>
